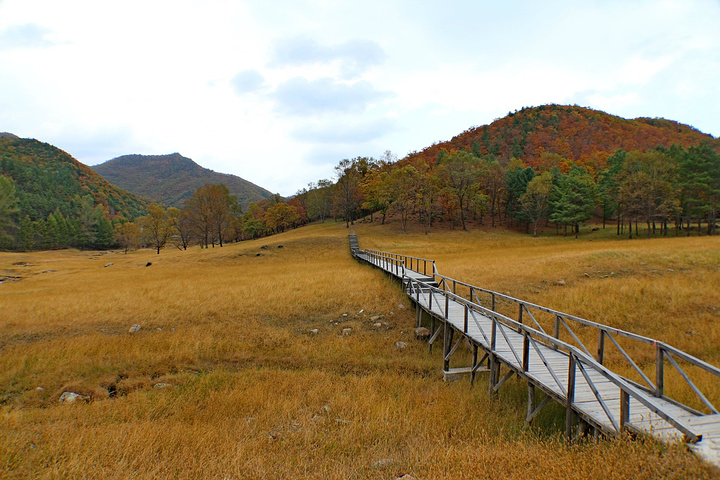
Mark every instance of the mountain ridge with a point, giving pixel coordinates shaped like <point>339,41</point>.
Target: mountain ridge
<point>172,178</point>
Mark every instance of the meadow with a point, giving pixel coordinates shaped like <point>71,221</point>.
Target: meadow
<point>245,368</point>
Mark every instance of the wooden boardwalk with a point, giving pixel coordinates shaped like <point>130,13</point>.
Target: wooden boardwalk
<point>596,399</point>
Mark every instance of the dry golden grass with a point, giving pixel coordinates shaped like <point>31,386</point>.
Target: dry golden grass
<point>255,395</point>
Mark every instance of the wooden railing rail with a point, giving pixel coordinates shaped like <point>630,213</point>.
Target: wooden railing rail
<point>577,358</point>
<point>664,353</point>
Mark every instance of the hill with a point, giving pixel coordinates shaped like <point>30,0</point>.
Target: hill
<point>48,182</point>
<point>171,179</point>
<point>581,135</point>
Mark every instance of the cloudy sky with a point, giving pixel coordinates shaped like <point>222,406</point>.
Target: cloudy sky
<point>278,92</point>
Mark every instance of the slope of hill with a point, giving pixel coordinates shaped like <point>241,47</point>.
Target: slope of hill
<point>47,179</point>
<point>172,179</point>
<point>578,134</point>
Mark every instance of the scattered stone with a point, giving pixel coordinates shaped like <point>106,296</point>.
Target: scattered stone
<point>326,408</point>
<point>586,274</point>
<point>108,264</point>
<point>400,345</point>
<point>401,306</point>
<point>40,389</point>
<point>422,333</point>
<point>384,462</point>
<point>344,315</point>
<point>377,325</point>
<point>560,283</point>
<point>135,328</point>
<point>279,246</point>
<point>162,385</point>
<point>264,247</point>
<point>257,254</point>
<point>148,264</point>
<point>375,318</point>
<point>347,331</point>
<point>314,331</point>
<point>274,435</point>
<point>70,397</point>
<point>407,476</point>
<point>340,420</point>
<point>361,311</point>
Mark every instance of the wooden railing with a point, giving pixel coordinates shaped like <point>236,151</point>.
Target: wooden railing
<point>579,359</point>
<point>527,312</point>
<point>415,264</point>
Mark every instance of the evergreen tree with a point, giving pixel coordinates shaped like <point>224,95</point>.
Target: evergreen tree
<point>575,199</point>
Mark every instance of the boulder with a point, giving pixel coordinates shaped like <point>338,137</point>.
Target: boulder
<point>422,333</point>
<point>71,397</point>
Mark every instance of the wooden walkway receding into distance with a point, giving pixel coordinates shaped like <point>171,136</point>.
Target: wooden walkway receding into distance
<point>509,335</point>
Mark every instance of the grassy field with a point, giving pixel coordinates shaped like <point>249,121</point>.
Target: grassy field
<point>227,379</point>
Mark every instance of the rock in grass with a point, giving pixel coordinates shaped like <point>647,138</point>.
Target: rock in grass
<point>347,331</point>
<point>422,333</point>
<point>108,264</point>
<point>135,328</point>
<point>560,283</point>
<point>384,462</point>
<point>162,385</point>
<point>400,345</point>
<point>375,318</point>
<point>71,397</point>
<point>407,476</point>
<point>314,331</point>
<point>377,324</point>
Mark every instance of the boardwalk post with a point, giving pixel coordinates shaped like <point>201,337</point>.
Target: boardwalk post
<point>465,319</point>
<point>569,414</point>
<point>494,364</point>
<point>659,370</point>
<point>520,316</point>
<point>474,363</point>
<point>449,334</point>
<point>601,346</point>
<point>624,409</point>
<point>531,402</point>
<point>526,352</point>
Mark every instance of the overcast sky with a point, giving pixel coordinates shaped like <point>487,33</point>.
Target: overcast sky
<point>278,92</point>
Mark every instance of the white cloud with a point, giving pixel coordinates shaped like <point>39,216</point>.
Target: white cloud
<point>277,92</point>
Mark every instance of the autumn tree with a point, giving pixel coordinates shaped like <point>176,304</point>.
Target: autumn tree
<point>459,173</point>
<point>534,202</point>
<point>157,226</point>
<point>402,184</point>
<point>319,199</point>
<point>280,217</point>
<point>126,235</point>
<point>377,193</point>
<point>347,195</point>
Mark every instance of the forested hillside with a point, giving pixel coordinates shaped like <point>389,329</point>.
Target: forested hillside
<point>552,164</point>
<point>49,200</point>
<point>551,135</point>
<point>172,179</point>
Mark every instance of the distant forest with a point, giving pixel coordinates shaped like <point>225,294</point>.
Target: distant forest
<point>550,165</point>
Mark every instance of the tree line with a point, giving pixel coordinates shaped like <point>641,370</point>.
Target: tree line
<point>651,191</point>
<point>211,217</point>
